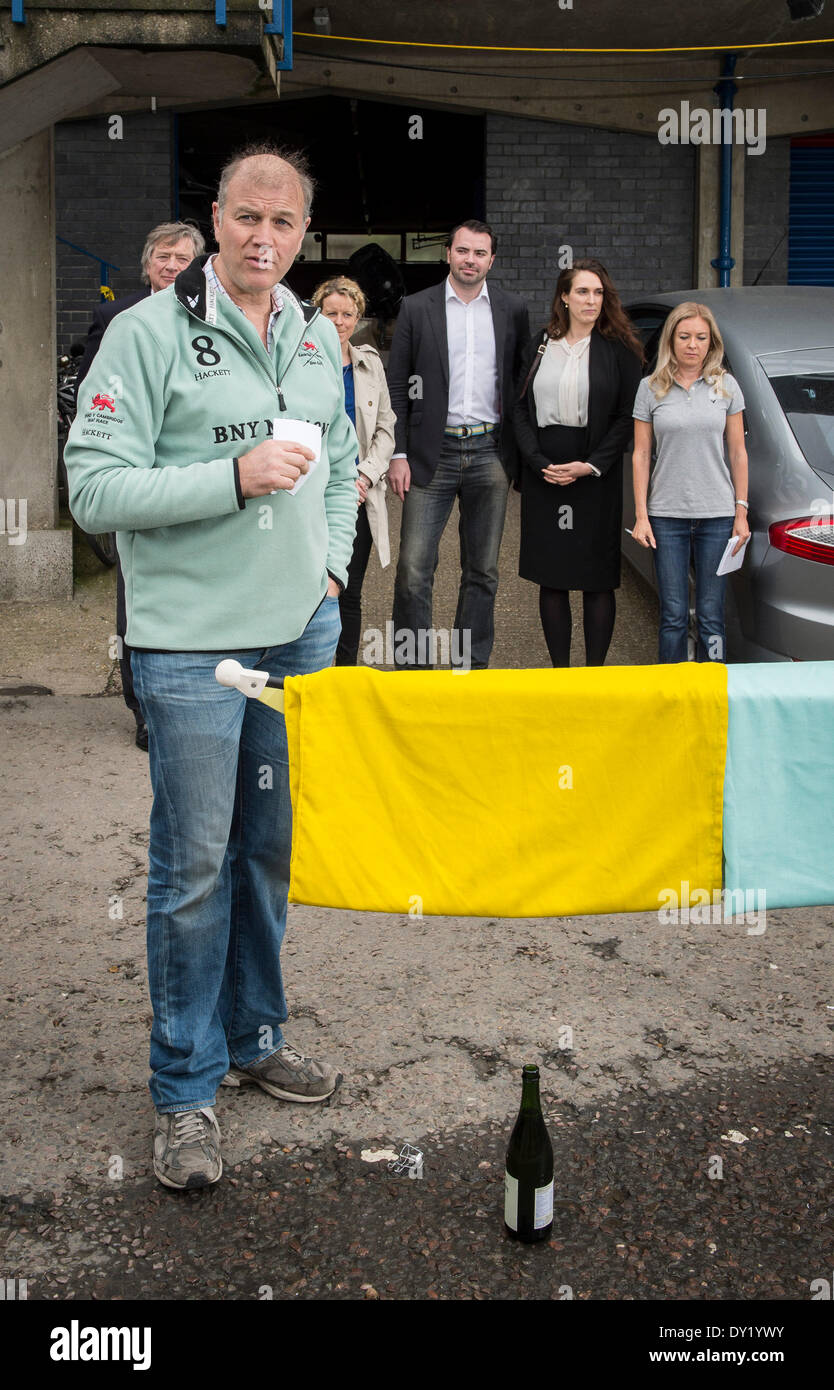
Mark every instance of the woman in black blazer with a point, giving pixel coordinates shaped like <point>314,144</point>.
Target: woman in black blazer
<point>571,424</point>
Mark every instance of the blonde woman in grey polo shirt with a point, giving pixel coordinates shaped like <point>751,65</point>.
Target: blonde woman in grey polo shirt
<point>693,503</point>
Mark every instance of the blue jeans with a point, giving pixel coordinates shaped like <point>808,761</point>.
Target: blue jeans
<point>219,861</point>
<point>704,540</point>
<point>471,470</point>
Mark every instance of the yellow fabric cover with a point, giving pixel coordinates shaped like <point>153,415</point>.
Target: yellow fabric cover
<point>506,793</point>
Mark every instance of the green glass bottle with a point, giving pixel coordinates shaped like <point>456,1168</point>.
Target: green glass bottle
<point>528,1176</point>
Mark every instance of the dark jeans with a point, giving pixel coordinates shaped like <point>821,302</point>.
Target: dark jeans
<point>470,470</point>
<point>350,601</point>
<point>703,539</point>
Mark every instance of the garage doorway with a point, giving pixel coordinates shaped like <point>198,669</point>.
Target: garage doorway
<point>397,175</point>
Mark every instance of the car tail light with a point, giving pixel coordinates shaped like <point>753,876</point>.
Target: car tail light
<point>811,537</point>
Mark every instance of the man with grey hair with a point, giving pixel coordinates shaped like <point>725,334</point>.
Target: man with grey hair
<point>226,554</point>
<point>168,249</point>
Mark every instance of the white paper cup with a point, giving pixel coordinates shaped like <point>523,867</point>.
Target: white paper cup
<point>299,432</point>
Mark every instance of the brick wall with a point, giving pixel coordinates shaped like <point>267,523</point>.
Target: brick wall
<point>108,194</point>
<point>766,211</point>
<point>625,199</point>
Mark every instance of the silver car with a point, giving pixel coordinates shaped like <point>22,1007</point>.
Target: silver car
<point>779,345</point>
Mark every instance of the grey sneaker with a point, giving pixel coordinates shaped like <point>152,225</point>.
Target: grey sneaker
<point>288,1075</point>
<point>186,1149</point>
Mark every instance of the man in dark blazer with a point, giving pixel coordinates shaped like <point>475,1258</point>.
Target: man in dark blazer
<point>452,374</point>
<point>169,248</point>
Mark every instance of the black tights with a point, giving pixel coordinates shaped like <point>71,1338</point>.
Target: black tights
<point>598,611</point>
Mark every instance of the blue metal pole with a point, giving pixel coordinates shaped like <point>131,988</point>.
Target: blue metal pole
<point>18,16</point>
<point>220,13</point>
<point>103,266</point>
<point>82,252</point>
<point>725,90</point>
<point>285,30</point>
<point>286,23</point>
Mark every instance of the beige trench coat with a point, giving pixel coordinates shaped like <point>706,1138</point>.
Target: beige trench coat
<point>375,431</point>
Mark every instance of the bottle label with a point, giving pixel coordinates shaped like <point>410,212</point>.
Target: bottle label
<point>511,1201</point>
<point>544,1206</point>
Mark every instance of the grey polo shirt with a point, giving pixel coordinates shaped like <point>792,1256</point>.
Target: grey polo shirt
<point>691,477</point>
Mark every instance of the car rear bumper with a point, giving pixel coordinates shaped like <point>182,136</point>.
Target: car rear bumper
<point>792,609</point>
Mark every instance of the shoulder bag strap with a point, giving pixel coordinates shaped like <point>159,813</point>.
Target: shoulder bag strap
<point>536,363</point>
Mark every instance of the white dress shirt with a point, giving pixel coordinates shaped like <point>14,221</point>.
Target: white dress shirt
<point>560,386</point>
<point>473,373</point>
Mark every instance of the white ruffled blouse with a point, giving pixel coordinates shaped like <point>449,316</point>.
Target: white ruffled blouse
<point>560,386</point>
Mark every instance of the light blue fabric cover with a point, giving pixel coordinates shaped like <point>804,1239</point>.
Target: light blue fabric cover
<point>779,782</point>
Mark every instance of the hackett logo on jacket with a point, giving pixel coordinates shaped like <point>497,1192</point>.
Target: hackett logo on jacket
<point>212,372</point>
<point>207,357</point>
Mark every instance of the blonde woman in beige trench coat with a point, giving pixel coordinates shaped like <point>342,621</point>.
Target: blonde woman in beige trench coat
<point>342,301</point>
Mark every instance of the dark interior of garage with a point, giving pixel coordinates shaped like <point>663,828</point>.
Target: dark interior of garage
<point>399,175</point>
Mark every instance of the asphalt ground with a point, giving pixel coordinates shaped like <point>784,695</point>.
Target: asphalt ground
<point>689,1100</point>
<point>637,1214</point>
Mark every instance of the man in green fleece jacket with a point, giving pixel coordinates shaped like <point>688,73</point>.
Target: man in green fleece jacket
<point>233,544</point>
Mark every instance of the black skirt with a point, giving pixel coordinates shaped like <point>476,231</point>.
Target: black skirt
<point>570,536</point>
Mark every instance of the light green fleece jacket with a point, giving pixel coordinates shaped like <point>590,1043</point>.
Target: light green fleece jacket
<point>180,387</point>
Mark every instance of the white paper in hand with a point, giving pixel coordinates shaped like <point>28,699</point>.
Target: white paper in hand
<point>300,432</point>
<point>729,561</point>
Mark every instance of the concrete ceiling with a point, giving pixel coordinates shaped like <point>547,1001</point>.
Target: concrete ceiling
<point>94,56</point>
<point>718,24</point>
<point>179,58</point>
<point>621,89</point>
